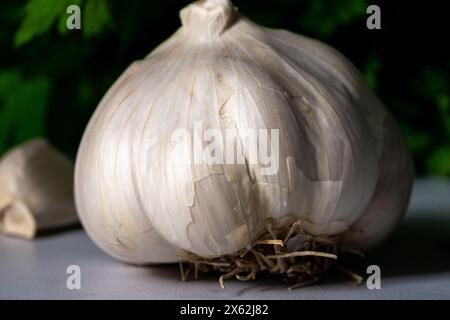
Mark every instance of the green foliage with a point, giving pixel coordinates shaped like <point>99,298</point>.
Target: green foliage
<point>23,105</point>
<point>41,15</point>
<point>439,161</point>
<point>325,17</point>
<point>434,86</point>
<point>418,140</point>
<point>371,70</point>
<point>96,17</point>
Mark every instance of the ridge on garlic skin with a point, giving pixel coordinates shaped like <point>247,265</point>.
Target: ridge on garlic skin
<point>344,167</point>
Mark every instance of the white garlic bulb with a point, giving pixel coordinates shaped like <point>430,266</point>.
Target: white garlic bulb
<point>344,169</point>
<point>36,190</point>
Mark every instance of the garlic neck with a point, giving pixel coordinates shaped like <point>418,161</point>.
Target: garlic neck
<point>208,18</point>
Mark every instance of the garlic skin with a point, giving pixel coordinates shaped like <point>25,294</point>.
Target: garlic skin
<point>36,190</point>
<point>344,168</point>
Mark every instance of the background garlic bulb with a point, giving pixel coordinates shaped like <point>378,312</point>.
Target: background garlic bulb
<point>344,169</point>
<point>36,190</point>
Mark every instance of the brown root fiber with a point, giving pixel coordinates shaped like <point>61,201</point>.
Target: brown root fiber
<point>302,258</point>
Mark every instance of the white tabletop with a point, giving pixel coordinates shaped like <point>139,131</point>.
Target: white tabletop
<point>414,262</point>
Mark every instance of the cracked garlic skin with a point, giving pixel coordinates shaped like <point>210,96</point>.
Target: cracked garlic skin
<point>344,167</point>
<point>36,190</point>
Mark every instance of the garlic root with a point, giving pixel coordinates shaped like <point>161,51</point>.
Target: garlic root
<point>302,258</point>
<point>36,190</point>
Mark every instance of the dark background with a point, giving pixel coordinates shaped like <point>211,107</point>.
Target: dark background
<point>51,78</point>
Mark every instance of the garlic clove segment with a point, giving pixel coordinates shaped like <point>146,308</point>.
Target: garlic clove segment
<point>109,208</point>
<point>391,197</point>
<point>36,190</point>
<point>340,155</point>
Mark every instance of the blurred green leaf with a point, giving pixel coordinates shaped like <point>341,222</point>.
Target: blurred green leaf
<point>85,94</point>
<point>443,103</point>
<point>417,140</point>
<point>325,17</point>
<point>434,86</point>
<point>433,82</point>
<point>23,105</point>
<point>62,24</point>
<point>39,17</point>
<point>439,161</point>
<point>8,81</point>
<point>96,17</point>
<point>371,70</point>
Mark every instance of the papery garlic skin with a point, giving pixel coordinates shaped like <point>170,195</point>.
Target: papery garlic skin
<point>139,197</point>
<point>36,190</point>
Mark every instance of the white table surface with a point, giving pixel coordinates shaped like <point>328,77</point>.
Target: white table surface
<point>414,262</point>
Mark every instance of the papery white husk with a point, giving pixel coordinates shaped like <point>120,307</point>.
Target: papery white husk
<point>344,168</point>
<point>36,190</point>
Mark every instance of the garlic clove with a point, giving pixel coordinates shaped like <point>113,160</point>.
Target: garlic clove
<point>109,208</point>
<point>36,190</point>
<point>390,200</point>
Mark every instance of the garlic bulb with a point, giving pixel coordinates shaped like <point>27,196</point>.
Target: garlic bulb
<point>340,164</point>
<point>36,190</point>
